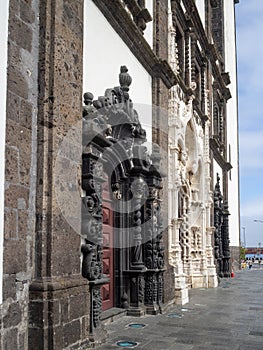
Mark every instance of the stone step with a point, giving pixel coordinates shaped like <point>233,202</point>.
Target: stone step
<point>112,314</point>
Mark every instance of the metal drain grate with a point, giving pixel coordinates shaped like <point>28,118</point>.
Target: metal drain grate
<point>137,325</point>
<point>127,344</point>
<point>174,315</point>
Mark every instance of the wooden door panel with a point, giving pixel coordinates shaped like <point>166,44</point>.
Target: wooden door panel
<point>108,261</point>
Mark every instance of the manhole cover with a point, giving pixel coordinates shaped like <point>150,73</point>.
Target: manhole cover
<point>127,344</point>
<point>174,315</point>
<point>137,325</point>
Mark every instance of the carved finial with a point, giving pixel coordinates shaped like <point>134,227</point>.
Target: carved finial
<point>88,108</point>
<point>88,98</point>
<point>125,81</point>
<point>217,187</point>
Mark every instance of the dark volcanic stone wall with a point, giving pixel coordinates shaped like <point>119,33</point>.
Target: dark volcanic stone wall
<point>20,170</point>
<point>59,299</point>
<point>45,299</point>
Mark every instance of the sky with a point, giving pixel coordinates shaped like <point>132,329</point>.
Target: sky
<point>249,33</point>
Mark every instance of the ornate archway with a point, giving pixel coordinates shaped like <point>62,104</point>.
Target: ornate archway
<point>113,143</point>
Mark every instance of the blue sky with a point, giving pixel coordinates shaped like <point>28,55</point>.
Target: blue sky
<point>249,15</point>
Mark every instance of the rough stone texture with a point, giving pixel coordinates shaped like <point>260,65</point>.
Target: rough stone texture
<point>10,339</point>
<point>57,319</point>
<point>13,316</point>
<point>59,298</point>
<point>19,170</point>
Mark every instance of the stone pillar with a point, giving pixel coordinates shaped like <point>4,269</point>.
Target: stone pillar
<point>58,297</point>
<point>211,269</point>
<point>181,291</point>
<point>19,53</point>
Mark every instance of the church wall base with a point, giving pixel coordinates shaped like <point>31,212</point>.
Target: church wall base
<point>59,314</point>
<point>181,290</point>
<point>235,257</point>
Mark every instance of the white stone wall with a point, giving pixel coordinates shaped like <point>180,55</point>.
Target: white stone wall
<point>4,5</point>
<point>200,4</point>
<point>189,175</point>
<point>148,33</point>
<point>232,123</point>
<point>102,65</point>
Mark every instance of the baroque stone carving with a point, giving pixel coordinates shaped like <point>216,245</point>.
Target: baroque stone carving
<point>113,142</point>
<point>221,235</point>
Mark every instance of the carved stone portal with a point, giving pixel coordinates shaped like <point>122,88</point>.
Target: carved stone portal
<point>221,235</point>
<point>113,143</point>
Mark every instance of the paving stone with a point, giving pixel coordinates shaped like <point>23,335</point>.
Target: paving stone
<point>219,319</point>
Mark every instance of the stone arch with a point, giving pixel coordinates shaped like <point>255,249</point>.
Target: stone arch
<point>113,142</point>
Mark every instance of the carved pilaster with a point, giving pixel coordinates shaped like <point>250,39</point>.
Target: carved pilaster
<point>218,221</point>
<point>193,53</point>
<point>203,87</point>
<point>139,187</point>
<point>154,250</point>
<point>173,49</point>
<point>225,241</point>
<point>187,58</point>
<point>91,225</point>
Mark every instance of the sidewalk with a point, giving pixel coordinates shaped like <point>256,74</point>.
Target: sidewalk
<point>227,317</point>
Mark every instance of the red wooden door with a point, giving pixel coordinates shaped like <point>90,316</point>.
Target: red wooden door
<point>107,289</point>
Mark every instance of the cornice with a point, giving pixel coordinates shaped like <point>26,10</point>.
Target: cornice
<point>217,155</point>
<point>203,117</point>
<point>123,24</point>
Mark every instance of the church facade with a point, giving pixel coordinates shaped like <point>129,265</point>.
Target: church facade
<point>119,184</point>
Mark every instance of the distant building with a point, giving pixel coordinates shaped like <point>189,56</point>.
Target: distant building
<point>254,250</point>
<point>119,184</point>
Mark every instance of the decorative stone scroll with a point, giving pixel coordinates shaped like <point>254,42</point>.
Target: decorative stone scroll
<point>221,238</point>
<point>139,12</point>
<point>113,143</point>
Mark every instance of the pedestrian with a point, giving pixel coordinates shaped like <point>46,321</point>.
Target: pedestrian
<point>250,265</point>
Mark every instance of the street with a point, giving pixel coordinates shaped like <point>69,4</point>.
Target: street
<point>227,317</point>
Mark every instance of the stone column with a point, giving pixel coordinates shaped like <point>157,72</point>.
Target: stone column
<point>58,298</point>
<point>181,291</point>
<point>211,269</point>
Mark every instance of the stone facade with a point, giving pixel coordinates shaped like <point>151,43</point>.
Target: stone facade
<point>52,267</point>
<point>198,229</point>
<point>20,173</point>
<point>45,297</point>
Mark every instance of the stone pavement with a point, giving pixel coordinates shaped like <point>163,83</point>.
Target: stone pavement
<point>227,317</point>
